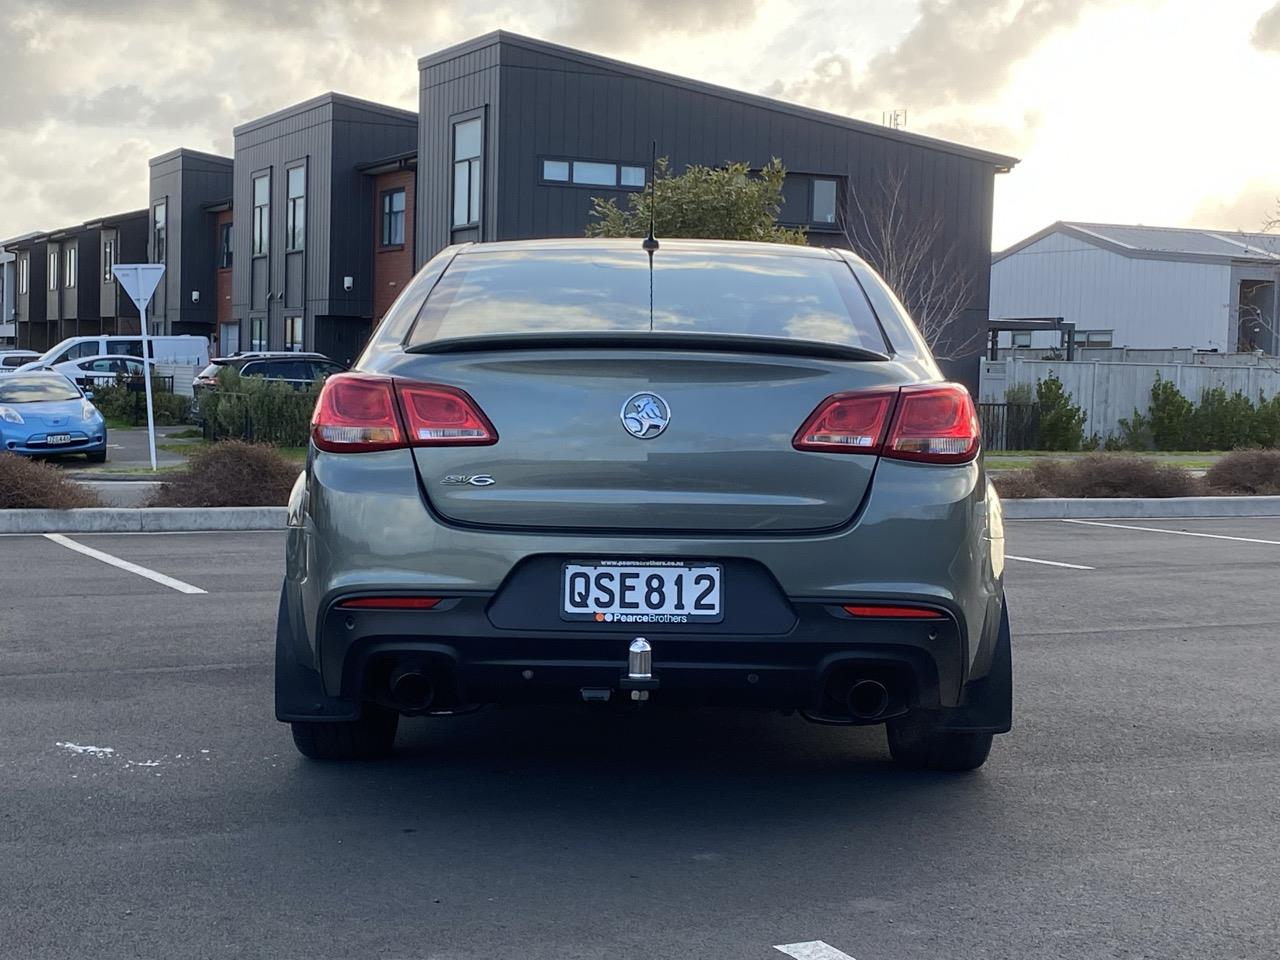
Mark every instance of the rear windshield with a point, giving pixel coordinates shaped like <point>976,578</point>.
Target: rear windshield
<point>694,291</point>
<point>21,389</point>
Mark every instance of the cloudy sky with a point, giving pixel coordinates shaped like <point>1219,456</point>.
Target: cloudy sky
<point>1142,111</point>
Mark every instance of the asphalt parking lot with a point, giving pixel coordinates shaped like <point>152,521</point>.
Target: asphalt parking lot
<point>151,806</point>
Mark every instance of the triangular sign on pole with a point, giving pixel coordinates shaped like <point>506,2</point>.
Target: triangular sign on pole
<point>139,281</point>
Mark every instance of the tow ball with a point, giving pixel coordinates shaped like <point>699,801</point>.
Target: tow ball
<point>639,678</point>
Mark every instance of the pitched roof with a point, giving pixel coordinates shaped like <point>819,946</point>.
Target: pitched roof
<point>1163,243</point>
<point>591,60</point>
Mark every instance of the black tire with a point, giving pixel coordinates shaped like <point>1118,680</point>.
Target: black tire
<point>369,738</point>
<point>98,456</point>
<point>916,742</point>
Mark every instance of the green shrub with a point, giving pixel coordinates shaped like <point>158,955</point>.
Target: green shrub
<point>231,473</point>
<point>1246,472</point>
<point>1222,421</point>
<point>1266,422</point>
<point>254,408</point>
<point>34,485</point>
<point>118,403</point>
<point>1170,416</point>
<point>1061,421</point>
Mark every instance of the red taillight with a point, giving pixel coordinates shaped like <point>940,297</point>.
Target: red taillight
<point>934,424</point>
<point>356,413</point>
<point>360,412</point>
<point>846,423</point>
<point>389,603</point>
<point>891,612</point>
<point>442,416</point>
<point>931,424</point>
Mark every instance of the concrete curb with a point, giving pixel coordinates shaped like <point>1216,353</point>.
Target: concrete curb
<point>213,519</point>
<point>142,520</point>
<point>1141,508</point>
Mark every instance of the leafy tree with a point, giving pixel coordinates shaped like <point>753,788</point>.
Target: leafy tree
<point>1061,421</point>
<point>1222,421</point>
<point>717,203</point>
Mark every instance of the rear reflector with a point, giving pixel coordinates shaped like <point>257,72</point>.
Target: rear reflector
<point>356,413</point>
<point>389,603</point>
<point>934,423</point>
<point>846,423</point>
<point>442,416</point>
<point>897,613</point>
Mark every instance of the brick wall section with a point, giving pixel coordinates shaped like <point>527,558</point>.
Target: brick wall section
<point>392,266</point>
<point>222,278</point>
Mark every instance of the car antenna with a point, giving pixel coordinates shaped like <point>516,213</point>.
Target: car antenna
<point>650,243</point>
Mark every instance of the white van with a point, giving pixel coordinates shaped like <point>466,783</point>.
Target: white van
<point>186,349</point>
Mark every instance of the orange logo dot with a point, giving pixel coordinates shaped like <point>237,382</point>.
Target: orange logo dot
<point>599,618</point>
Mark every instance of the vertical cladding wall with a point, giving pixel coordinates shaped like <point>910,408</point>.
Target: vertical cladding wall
<point>187,180</point>
<point>455,85</point>
<point>334,135</point>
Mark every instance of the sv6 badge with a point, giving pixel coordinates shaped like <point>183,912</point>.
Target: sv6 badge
<point>479,480</point>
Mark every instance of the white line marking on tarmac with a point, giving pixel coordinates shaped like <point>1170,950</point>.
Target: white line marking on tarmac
<point>1049,563</point>
<point>812,950</point>
<point>159,578</point>
<point>1180,533</point>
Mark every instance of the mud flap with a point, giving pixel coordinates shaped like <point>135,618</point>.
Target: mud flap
<point>299,692</point>
<point>986,705</point>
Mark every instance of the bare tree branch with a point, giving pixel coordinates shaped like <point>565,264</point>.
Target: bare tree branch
<point>904,248</point>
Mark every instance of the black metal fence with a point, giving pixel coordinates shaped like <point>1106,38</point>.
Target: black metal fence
<point>1009,426</point>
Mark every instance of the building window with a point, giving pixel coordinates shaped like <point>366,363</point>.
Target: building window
<point>632,176</point>
<point>296,209</point>
<point>160,231</point>
<point>258,333</point>
<point>229,339</point>
<point>393,218</point>
<point>594,173</point>
<point>468,138</point>
<point>261,214</point>
<point>1093,338</point>
<point>224,246</point>
<point>293,333</point>
<point>53,269</point>
<point>1021,338</point>
<point>824,202</point>
<point>108,260</point>
<point>23,273</point>
<point>70,262</point>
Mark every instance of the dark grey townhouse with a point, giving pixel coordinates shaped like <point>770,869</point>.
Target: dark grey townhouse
<point>189,232</point>
<point>517,136</point>
<point>304,195</point>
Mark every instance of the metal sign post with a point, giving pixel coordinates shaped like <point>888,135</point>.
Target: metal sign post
<point>140,281</point>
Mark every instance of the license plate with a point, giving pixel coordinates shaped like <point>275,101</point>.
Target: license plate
<point>56,438</point>
<point>641,592</point>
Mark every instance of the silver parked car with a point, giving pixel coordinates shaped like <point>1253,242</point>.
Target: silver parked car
<point>714,473</point>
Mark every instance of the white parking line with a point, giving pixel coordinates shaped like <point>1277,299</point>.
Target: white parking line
<point>812,950</point>
<point>1049,563</point>
<point>159,578</point>
<point>1180,533</point>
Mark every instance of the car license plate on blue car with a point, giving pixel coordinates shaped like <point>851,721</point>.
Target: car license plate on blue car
<point>630,591</point>
<point>57,439</point>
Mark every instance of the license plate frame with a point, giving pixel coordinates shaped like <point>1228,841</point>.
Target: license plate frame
<point>680,602</point>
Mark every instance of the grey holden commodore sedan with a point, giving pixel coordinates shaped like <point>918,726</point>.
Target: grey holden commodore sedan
<point>583,471</point>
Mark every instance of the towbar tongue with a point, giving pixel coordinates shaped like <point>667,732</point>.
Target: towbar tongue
<point>639,679</point>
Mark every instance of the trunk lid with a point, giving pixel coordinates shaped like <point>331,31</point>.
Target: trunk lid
<point>724,461</point>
